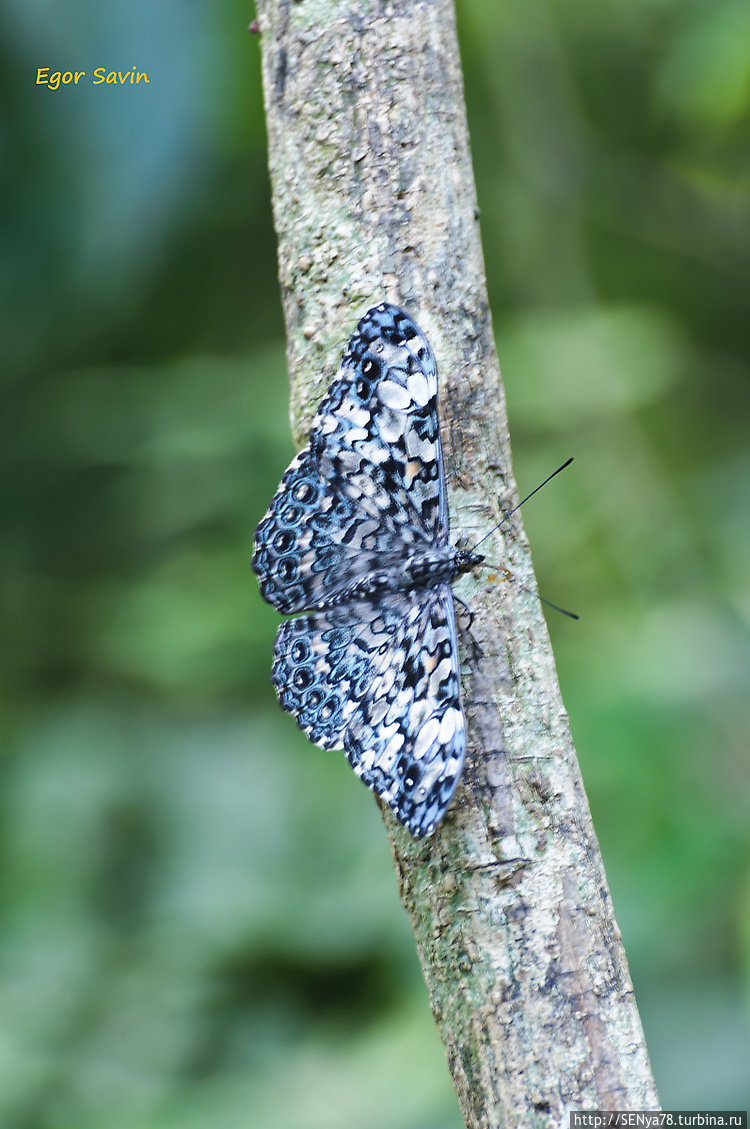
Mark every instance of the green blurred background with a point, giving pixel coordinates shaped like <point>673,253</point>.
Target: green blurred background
<point>199,922</point>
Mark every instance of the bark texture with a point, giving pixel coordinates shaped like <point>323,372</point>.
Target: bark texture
<point>374,199</point>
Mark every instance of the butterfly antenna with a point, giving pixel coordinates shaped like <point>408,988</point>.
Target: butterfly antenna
<point>521,503</point>
<point>542,599</point>
<point>557,608</point>
<point>522,588</point>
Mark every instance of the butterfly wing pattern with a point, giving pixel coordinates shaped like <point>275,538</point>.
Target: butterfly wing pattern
<point>357,537</point>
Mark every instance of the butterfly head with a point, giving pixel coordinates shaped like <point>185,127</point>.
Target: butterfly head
<point>464,560</point>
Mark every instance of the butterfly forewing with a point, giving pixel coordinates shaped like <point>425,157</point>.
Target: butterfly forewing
<point>357,536</point>
<point>377,429</point>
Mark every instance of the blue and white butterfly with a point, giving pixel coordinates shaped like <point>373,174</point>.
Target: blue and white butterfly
<point>357,536</point>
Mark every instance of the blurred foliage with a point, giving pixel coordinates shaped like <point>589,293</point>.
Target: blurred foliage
<point>198,918</point>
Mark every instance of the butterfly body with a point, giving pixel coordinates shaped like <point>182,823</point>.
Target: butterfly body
<point>357,537</point>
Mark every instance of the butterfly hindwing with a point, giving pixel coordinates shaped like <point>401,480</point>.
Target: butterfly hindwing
<point>382,682</point>
<point>407,740</point>
<point>322,667</point>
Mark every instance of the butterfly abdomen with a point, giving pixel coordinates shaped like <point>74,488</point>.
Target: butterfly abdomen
<point>421,569</point>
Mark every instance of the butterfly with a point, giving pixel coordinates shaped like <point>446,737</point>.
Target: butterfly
<point>357,539</point>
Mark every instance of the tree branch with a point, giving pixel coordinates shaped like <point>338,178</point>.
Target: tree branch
<point>374,199</point>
